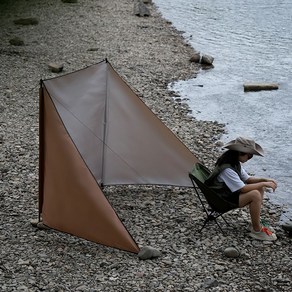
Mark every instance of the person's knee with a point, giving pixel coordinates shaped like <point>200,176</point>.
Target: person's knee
<point>252,197</point>
<point>256,196</point>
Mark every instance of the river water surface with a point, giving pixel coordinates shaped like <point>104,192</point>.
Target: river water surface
<point>251,42</point>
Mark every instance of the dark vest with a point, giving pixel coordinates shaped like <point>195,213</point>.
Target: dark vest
<point>212,180</point>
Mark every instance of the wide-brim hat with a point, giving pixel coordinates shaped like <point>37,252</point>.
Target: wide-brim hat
<point>245,145</point>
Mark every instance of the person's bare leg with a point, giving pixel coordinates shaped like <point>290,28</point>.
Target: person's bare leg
<point>254,200</point>
<point>262,191</point>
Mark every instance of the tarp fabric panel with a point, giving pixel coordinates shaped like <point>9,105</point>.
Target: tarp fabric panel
<point>119,138</point>
<point>72,200</point>
<point>95,130</point>
<point>140,148</point>
<point>79,98</point>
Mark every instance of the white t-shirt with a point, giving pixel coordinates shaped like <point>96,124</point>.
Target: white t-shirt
<point>232,179</point>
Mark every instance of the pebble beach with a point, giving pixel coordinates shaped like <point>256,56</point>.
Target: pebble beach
<point>149,53</point>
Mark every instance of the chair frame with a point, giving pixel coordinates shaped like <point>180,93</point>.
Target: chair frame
<point>213,212</point>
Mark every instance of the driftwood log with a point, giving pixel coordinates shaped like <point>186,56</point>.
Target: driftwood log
<point>260,86</point>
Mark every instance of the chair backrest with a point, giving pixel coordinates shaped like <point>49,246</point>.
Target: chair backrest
<point>198,175</point>
<point>200,171</point>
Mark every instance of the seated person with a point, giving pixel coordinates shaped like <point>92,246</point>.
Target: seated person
<point>238,188</point>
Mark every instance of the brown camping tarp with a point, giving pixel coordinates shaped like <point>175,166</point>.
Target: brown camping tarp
<point>94,130</point>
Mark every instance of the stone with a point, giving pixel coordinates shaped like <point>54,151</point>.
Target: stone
<point>207,59</point>
<point>26,21</point>
<point>41,225</point>
<point>140,9</point>
<point>70,1</point>
<point>34,222</point>
<point>148,252</point>
<point>55,67</point>
<point>287,227</point>
<point>16,41</point>
<point>93,49</point>
<point>195,58</point>
<point>210,283</point>
<point>231,252</point>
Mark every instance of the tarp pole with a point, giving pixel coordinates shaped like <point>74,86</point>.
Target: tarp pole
<point>104,126</point>
<point>41,148</point>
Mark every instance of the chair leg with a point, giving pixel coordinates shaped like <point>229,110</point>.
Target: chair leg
<point>205,223</point>
<point>212,218</point>
<point>227,223</point>
<point>219,226</point>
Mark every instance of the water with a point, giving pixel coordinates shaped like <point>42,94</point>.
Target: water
<point>251,41</point>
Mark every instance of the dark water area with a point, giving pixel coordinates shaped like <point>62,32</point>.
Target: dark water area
<point>251,42</point>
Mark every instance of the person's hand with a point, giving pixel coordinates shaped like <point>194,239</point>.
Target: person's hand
<point>272,180</point>
<point>271,184</point>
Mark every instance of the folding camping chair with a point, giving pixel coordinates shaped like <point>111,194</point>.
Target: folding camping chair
<point>216,206</point>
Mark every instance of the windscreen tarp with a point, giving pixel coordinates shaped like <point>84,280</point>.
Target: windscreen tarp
<point>95,131</point>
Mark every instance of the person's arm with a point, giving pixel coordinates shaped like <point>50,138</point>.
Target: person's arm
<point>253,183</point>
<point>253,179</point>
